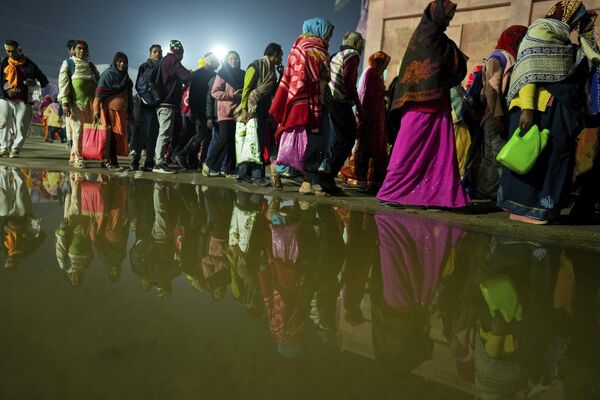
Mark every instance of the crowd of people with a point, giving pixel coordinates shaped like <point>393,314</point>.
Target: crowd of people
<point>310,119</point>
<point>516,315</point>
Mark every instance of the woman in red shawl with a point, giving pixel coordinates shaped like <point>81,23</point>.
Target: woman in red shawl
<point>365,168</point>
<point>299,97</point>
<point>484,175</point>
<point>423,169</point>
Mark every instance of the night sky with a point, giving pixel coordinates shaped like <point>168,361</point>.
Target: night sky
<point>247,26</point>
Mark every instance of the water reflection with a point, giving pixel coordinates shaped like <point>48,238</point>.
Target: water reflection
<point>21,234</point>
<point>489,316</point>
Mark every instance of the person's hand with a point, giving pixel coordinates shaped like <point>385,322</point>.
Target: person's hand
<point>526,120</point>
<point>244,116</point>
<point>66,110</point>
<point>96,116</point>
<point>210,123</point>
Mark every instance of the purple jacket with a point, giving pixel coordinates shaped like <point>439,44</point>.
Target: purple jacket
<point>173,76</point>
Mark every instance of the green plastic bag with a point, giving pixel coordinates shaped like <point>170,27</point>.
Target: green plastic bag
<point>520,153</point>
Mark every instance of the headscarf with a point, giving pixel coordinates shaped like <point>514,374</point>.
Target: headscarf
<point>546,53</point>
<point>379,60</point>
<point>112,81</point>
<point>11,72</point>
<point>511,38</point>
<point>567,11</point>
<point>317,26</point>
<point>233,76</point>
<point>432,63</point>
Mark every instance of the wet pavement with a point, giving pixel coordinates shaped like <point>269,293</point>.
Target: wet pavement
<point>123,288</point>
<point>38,154</point>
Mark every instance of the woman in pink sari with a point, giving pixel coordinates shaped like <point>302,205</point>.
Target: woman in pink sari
<point>365,168</point>
<point>423,169</point>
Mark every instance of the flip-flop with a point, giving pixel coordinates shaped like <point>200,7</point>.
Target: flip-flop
<point>305,188</point>
<point>276,182</point>
<point>522,218</point>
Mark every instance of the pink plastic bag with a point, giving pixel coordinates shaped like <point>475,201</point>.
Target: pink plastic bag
<point>292,147</point>
<point>94,141</point>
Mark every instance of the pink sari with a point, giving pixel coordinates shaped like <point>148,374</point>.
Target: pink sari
<point>423,168</point>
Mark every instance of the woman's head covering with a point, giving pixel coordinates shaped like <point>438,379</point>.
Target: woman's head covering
<point>432,63</point>
<point>233,76</point>
<point>112,81</point>
<point>317,26</point>
<point>379,60</point>
<point>567,11</point>
<point>441,18</point>
<point>511,38</point>
<point>120,56</point>
<point>546,54</point>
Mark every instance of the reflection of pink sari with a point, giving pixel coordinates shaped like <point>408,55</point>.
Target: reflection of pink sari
<point>285,242</point>
<point>413,251</point>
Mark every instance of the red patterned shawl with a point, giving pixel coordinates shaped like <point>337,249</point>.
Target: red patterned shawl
<point>298,99</point>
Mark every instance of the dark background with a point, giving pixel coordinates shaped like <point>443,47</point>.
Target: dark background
<point>43,27</point>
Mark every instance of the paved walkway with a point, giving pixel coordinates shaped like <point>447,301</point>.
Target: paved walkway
<point>53,156</point>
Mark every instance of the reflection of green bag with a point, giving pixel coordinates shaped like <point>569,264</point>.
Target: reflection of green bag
<point>501,296</point>
<point>520,153</point>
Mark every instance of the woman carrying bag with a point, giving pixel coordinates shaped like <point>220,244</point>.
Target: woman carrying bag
<point>547,91</point>
<point>113,106</point>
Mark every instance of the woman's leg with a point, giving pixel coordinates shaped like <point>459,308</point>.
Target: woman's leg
<point>218,149</point>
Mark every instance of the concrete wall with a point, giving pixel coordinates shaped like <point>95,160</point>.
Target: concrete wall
<point>475,28</point>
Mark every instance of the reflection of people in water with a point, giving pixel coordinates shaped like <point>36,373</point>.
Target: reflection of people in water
<point>362,256</point>
<point>73,244</point>
<point>104,202</point>
<point>524,327</point>
<point>217,263</point>
<point>141,220</point>
<point>192,232</point>
<point>21,233</point>
<point>330,253</point>
<point>247,235</point>
<point>287,282</point>
<point>576,295</point>
<point>163,266</point>
<point>460,302</point>
<point>413,252</point>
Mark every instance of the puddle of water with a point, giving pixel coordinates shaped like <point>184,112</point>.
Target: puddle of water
<point>129,288</point>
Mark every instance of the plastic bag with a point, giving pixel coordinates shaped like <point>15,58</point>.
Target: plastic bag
<point>94,141</point>
<point>246,142</point>
<point>292,148</point>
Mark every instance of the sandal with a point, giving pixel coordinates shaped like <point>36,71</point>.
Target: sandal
<point>276,182</point>
<point>113,167</point>
<point>318,191</point>
<point>522,218</point>
<point>79,164</point>
<point>306,188</point>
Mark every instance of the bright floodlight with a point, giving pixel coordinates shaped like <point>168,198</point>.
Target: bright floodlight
<point>220,51</point>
